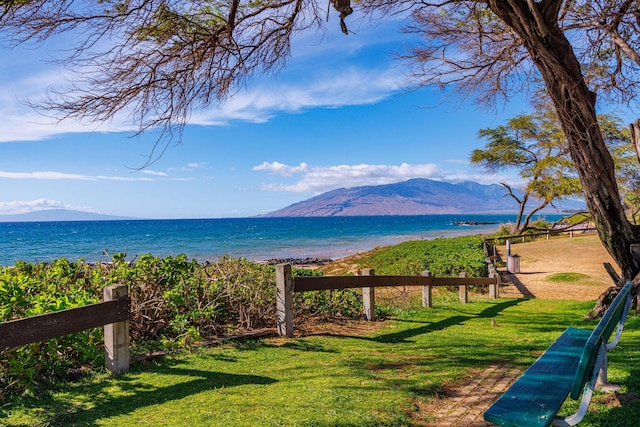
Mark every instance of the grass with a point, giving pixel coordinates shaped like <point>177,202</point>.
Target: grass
<point>567,277</point>
<point>332,379</point>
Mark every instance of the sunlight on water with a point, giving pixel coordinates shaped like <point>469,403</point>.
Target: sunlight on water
<point>208,239</point>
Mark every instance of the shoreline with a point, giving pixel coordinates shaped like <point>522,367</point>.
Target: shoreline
<point>301,240</point>
<point>313,259</point>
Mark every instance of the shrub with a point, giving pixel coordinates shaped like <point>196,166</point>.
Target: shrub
<point>443,257</point>
<point>174,302</point>
<point>29,290</point>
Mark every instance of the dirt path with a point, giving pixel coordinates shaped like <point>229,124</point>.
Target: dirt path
<point>465,403</point>
<point>541,259</point>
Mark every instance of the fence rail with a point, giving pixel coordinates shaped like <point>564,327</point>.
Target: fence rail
<point>287,285</point>
<point>113,313</point>
<point>570,232</point>
<point>304,284</point>
<point>16,333</point>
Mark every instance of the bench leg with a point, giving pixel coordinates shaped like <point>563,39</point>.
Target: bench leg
<point>582,410</point>
<point>574,419</point>
<point>602,383</point>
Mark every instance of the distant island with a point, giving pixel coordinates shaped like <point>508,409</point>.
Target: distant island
<point>59,215</point>
<point>413,197</point>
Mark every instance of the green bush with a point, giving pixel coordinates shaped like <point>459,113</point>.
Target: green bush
<point>174,302</point>
<point>33,289</point>
<point>443,257</point>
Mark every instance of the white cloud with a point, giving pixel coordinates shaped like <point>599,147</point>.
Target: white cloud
<point>189,167</point>
<point>326,90</point>
<point>281,169</point>
<point>261,102</point>
<point>318,179</point>
<point>56,176</point>
<point>154,173</point>
<point>322,73</point>
<point>22,123</point>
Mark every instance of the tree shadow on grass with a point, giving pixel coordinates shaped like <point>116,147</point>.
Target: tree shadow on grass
<point>135,394</point>
<point>407,334</point>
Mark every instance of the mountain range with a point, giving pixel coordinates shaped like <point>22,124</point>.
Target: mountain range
<point>414,197</point>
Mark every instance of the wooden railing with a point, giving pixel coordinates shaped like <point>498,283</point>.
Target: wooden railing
<point>287,285</point>
<point>547,234</point>
<point>113,313</point>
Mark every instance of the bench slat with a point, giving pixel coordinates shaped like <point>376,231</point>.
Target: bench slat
<point>540,391</point>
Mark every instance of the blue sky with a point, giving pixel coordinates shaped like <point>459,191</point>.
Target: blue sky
<point>339,115</point>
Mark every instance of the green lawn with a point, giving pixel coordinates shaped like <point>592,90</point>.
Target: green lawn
<point>325,380</point>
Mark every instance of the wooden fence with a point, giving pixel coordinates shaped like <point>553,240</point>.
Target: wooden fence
<point>287,285</point>
<point>571,232</point>
<point>113,314</point>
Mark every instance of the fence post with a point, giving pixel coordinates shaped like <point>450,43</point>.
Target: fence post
<point>464,295</point>
<point>116,335</point>
<point>369,298</point>
<point>284,300</point>
<point>426,291</point>
<point>494,290</point>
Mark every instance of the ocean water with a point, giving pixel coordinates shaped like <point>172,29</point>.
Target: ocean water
<point>257,239</point>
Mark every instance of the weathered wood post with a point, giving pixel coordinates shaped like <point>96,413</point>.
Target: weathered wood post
<point>494,290</point>
<point>462,289</point>
<point>426,291</point>
<point>369,298</point>
<point>284,300</point>
<point>116,335</point>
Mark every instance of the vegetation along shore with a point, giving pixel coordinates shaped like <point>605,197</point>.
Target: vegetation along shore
<point>178,303</point>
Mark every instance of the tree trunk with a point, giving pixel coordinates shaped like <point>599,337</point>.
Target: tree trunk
<point>527,219</point>
<point>536,23</point>
<point>634,130</point>
<point>521,203</point>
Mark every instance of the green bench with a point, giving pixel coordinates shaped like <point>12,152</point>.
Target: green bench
<point>574,365</point>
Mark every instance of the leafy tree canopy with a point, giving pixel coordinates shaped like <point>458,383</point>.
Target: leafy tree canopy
<point>160,59</point>
<point>535,146</point>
